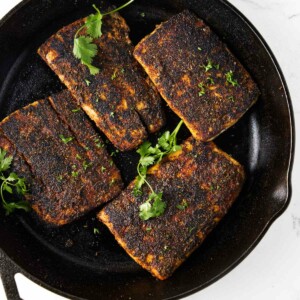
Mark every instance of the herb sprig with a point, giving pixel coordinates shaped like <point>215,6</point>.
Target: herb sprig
<point>84,48</point>
<point>166,144</point>
<point>10,183</point>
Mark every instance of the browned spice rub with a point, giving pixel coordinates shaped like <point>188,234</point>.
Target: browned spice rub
<point>118,99</point>
<point>197,75</point>
<point>199,184</point>
<point>68,169</point>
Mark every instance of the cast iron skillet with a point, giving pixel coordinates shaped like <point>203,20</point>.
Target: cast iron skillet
<point>75,262</point>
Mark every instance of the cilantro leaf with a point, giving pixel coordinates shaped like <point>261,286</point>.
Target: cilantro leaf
<point>149,155</point>
<point>94,23</point>
<point>10,183</point>
<point>147,160</point>
<point>12,206</point>
<point>143,149</point>
<point>5,162</point>
<point>151,210</point>
<point>84,48</point>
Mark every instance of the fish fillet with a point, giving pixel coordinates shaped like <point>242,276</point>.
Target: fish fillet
<point>73,177</point>
<point>119,99</point>
<point>199,184</point>
<point>196,74</point>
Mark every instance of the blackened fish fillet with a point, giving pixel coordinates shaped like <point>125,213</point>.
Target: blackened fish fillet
<point>38,193</point>
<point>73,180</point>
<point>119,99</point>
<point>197,75</point>
<point>199,184</point>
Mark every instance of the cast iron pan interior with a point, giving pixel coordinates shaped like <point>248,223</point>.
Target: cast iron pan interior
<point>75,262</point>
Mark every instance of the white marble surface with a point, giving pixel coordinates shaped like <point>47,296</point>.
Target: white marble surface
<point>272,270</point>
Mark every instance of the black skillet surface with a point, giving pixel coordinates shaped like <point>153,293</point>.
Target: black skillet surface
<point>77,262</point>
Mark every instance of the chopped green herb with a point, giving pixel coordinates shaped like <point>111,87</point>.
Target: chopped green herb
<point>199,48</point>
<point>10,182</point>
<point>96,230</point>
<point>210,80</point>
<point>166,247</point>
<point>113,153</point>
<point>99,145</point>
<point>87,82</point>
<point>231,98</point>
<point>76,110</point>
<point>148,229</point>
<point>143,14</point>
<point>202,89</point>
<point>191,229</point>
<point>66,140</point>
<point>84,48</point>
<point>73,167</point>
<point>217,66</point>
<point>183,205</point>
<point>103,169</point>
<point>209,65</point>
<point>230,79</point>
<point>74,173</point>
<point>112,182</point>
<point>78,156</point>
<point>97,100</point>
<point>114,75</point>
<point>111,162</point>
<point>86,148</point>
<point>112,114</point>
<point>122,70</point>
<point>86,165</point>
<point>59,178</point>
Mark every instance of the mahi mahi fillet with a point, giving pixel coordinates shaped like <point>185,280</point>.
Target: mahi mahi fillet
<point>62,158</point>
<point>121,98</point>
<point>196,74</point>
<point>199,184</point>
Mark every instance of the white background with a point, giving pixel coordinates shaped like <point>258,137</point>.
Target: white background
<point>272,270</point>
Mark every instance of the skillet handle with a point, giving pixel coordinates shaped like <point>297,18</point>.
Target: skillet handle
<point>7,272</point>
